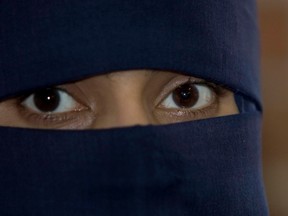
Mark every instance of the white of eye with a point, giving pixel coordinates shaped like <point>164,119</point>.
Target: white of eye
<point>204,99</point>
<point>66,103</point>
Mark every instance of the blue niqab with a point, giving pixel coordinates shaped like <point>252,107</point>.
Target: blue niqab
<point>203,167</point>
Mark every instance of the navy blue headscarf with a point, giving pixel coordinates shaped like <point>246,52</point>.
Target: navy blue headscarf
<point>204,167</point>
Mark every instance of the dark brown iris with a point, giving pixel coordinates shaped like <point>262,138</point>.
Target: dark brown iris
<point>186,95</point>
<point>47,100</point>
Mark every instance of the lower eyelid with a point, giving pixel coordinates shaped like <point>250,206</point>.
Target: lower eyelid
<point>213,106</point>
<point>177,115</point>
<point>47,120</point>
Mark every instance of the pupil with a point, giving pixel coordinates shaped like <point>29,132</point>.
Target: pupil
<point>47,100</point>
<point>186,95</point>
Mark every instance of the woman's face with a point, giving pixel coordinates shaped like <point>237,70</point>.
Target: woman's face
<point>118,99</point>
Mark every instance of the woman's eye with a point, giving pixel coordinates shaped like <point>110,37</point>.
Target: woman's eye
<point>189,96</point>
<point>50,100</point>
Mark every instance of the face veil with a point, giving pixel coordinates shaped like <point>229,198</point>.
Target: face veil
<point>203,167</point>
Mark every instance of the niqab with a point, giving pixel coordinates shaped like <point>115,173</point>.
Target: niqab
<point>203,167</point>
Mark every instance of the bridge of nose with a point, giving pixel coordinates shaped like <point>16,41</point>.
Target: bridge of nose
<point>126,105</point>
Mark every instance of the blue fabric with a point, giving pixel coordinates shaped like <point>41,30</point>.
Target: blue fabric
<point>180,169</point>
<point>47,42</point>
<point>244,104</point>
<point>204,167</point>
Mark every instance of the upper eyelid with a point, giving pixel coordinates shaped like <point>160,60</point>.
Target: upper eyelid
<point>59,88</point>
<point>22,98</point>
<point>175,82</point>
<point>30,93</point>
<point>72,89</point>
<point>170,86</point>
